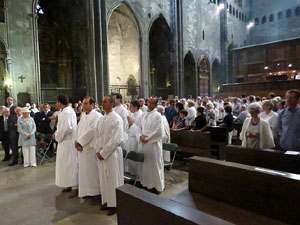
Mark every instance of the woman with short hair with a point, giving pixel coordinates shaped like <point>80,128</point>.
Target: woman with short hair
<point>271,117</point>
<point>26,129</point>
<point>256,132</point>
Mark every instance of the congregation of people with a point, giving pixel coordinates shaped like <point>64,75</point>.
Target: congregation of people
<point>91,138</point>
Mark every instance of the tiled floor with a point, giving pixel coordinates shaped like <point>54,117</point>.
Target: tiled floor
<point>29,196</point>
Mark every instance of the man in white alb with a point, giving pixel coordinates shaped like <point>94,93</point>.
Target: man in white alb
<point>149,131</point>
<point>66,173</point>
<point>109,137</point>
<point>85,144</point>
<point>122,111</point>
<point>131,144</point>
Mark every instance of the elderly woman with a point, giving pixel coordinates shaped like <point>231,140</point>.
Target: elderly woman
<point>271,117</point>
<point>211,115</point>
<point>26,129</point>
<point>191,113</point>
<point>256,132</point>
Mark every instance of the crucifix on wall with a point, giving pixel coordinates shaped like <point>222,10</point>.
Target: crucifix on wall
<point>22,78</point>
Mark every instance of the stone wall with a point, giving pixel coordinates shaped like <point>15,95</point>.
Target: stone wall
<point>197,27</point>
<point>267,31</point>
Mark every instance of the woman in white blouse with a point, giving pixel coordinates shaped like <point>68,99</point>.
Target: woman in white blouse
<point>271,117</point>
<point>191,113</point>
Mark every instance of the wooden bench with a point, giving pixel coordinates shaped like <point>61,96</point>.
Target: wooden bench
<point>197,143</point>
<point>266,158</point>
<point>267,192</point>
<point>138,207</point>
<point>219,139</point>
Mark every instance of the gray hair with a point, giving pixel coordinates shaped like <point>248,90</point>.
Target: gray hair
<point>255,107</point>
<point>160,108</point>
<point>268,103</point>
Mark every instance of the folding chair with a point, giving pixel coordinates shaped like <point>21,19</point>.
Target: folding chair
<point>172,148</point>
<point>135,157</point>
<point>43,148</point>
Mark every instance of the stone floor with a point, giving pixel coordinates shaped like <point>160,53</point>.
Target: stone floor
<point>30,197</point>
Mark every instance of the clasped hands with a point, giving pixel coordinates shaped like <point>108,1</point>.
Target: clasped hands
<point>143,139</point>
<point>78,146</point>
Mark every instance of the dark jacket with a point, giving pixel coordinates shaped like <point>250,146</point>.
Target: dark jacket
<point>42,122</point>
<point>13,128</point>
<point>1,128</point>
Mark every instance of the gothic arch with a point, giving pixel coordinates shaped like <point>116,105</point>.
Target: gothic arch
<point>162,80</point>
<point>124,50</point>
<point>204,75</point>
<point>217,78</point>
<point>190,75</point>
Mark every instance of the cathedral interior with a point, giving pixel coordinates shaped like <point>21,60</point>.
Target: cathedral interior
<point>166,48</point>
<point>143,48</point>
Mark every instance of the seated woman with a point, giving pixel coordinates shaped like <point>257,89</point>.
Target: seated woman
<point>184,125</point>
<point>256,132</point>
<point>228,122</point>
<point>200,121</point>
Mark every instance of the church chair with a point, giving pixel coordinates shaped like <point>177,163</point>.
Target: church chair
<point>135,157</point>
<point>172,148</point>
<point>42,150</point>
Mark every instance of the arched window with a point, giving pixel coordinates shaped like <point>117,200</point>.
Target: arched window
<point>243,17</point>
<point>233,11</point>
<point>288,13</point>
<point>264,20</point>
<point>240,16</point>
<point>297,11</point>
<point>280,15</point>
<point>214,1</point>
<point>230,9</point>
<point>256,21</point>
<point>271,18</point>
<point>237,13</point>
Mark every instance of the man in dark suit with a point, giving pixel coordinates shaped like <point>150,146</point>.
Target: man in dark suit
<point>14,135</point>
<point>4,135</point>
<point>10,105</point>
<point>42,120</point>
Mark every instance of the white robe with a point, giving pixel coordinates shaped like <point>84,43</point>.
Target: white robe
<point>88,170</point>
<point>166,137</point>
<point>132,145</point>
<point>144,109</point>
<point>123,113</point>
<point>66,173</point>
<point>150,125</point>
<point>109,138</point>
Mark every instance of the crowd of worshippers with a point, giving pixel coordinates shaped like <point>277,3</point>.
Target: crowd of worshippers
<point>91,138</point>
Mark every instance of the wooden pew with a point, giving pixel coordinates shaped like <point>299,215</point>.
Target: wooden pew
<point>219,139</point>
<point>266,192</point>
<point>138,207</point>
<point>192,142</point>
<point>266,158</point>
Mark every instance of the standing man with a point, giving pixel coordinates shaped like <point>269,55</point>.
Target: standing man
<point>109,152</point>
<point>10,105</point>
<point>236,107</point>
<point>132,144</point>
<point>166,137</point>
<point>66,158</point>
<point>149,134</point>
<point>14,135</point>
<point>123,113</point>
<point>289,122</point>
<point>85,145</point>
<point>4,134</point>
<point>143,107</point>
<point>171,112</point>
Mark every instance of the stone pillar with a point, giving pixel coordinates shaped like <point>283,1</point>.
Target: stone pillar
<point>101,53</point>
<point>224,43</point>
